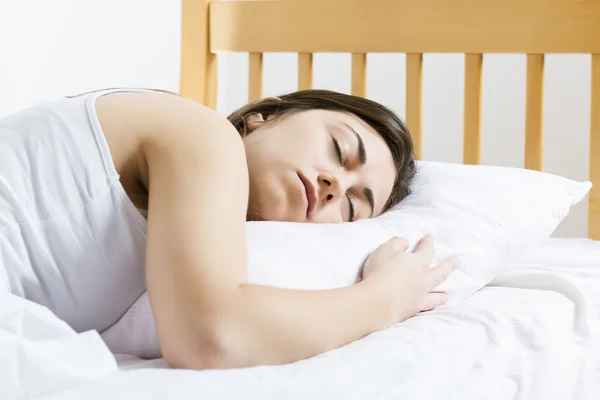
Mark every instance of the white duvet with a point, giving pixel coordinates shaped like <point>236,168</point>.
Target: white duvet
<point>533,334</point>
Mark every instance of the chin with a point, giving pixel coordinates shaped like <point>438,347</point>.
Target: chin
<point>269,206</point>
<point>254,215</point>
<point>267,213</point>
<point>261,212</point>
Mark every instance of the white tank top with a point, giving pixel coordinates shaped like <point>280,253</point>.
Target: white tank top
<point>70,238</point>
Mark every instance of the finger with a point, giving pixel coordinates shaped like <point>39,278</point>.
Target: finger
<point>425,248</point>
<point>397,244</point>
<point>433,300</point>
<point>442,271</point>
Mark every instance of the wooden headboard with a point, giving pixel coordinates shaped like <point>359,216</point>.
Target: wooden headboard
<point>414,27</point>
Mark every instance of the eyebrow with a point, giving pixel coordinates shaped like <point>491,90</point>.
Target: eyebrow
<point>362,152</point>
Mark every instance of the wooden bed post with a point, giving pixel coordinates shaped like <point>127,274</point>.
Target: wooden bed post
<point>305,71</point>
<point>359,74</point>
<point>414,86</point>
<point>534,135</point>
<point>472,118</point>
<point>594,197</point>
<point>198,79</point>
<point>255,76</point>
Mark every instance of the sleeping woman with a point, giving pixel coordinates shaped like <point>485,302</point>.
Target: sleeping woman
<point>114,192</point>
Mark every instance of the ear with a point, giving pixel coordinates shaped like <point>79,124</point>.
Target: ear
<point>256,120</point>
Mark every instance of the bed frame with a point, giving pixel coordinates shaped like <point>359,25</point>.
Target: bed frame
<point>414,27</point>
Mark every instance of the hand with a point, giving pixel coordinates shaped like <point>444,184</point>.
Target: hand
<point>407,277</point>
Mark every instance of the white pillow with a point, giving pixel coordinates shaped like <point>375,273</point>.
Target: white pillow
<point>488,216</point>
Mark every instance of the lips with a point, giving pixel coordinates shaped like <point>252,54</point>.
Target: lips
<point>311,194</point>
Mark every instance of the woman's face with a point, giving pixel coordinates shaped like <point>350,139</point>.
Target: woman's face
<point>317,166</point>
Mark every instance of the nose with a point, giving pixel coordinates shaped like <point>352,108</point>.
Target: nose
<point>330,189</point>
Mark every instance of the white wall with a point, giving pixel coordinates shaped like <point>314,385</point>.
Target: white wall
<point>51,49</point>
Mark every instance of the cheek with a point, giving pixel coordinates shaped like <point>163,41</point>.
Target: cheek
<point>300,149</point>
<point>329,215</point>
<point>291,148</point>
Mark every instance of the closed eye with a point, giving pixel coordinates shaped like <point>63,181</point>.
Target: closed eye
<point>338,151</point>
<point>351,208</point>
<point>340,159</point>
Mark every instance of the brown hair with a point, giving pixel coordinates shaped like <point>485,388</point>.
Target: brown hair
<point>383,120</point>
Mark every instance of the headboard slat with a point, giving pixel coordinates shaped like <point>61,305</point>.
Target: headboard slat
<point>594,198</point>
<point>255,76</point>
<point>305,71</point>
<point>472,122</point>
<point>534,136</point>
<point>414,85</point>
<point>359,74</point>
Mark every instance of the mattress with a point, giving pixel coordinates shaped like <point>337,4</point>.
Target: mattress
<point>533,333</point>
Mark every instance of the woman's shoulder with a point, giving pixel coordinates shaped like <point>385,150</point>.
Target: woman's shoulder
<point>151,132</point>
<point>166,120</point>
<point>149,110</point>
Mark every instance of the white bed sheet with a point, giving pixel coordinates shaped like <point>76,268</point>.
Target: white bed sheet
<point>533,334</point>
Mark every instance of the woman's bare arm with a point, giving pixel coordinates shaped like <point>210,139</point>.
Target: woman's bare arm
<point>207,314</point>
